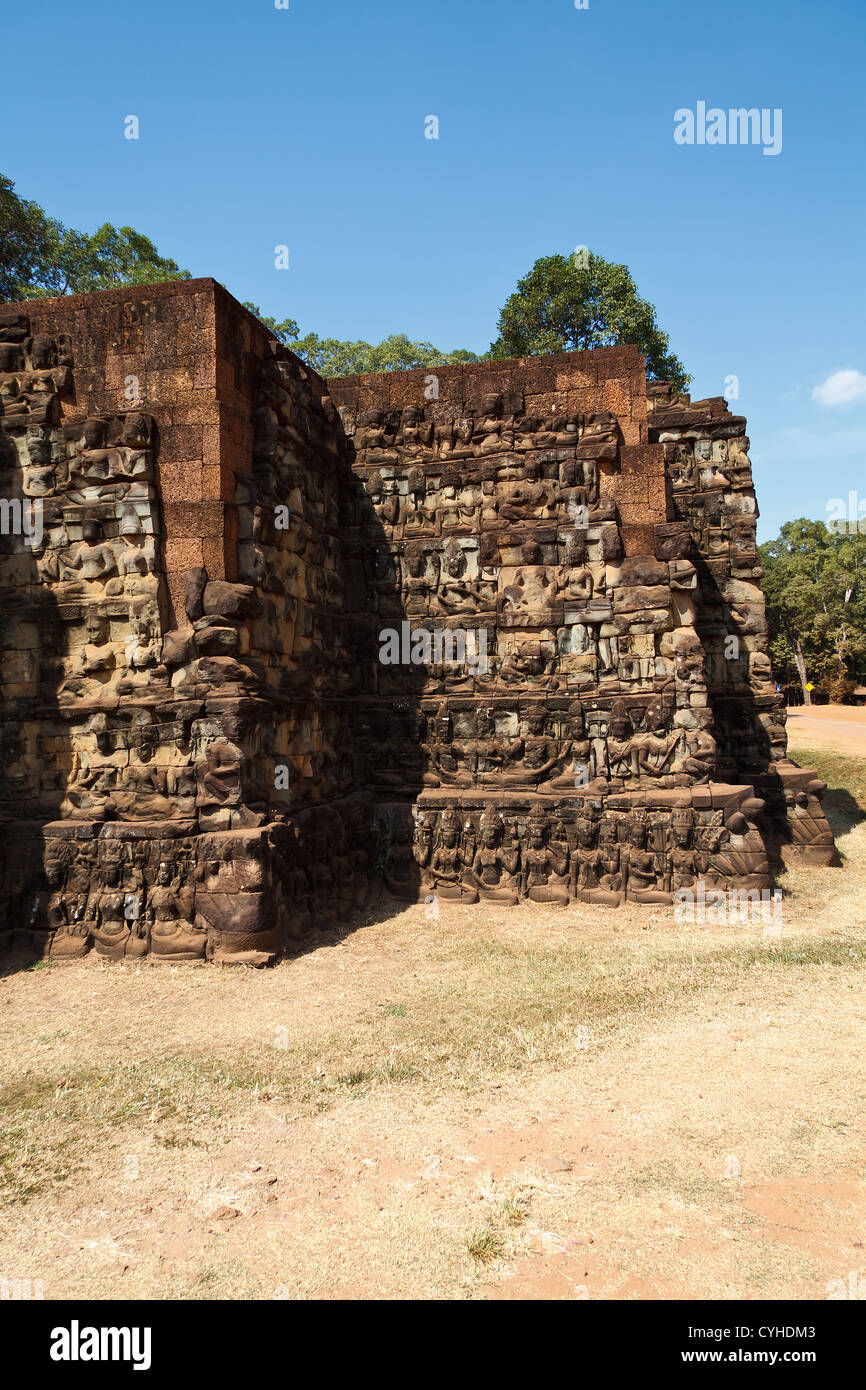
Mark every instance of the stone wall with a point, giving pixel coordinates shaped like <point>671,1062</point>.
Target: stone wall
<point>465,633</point>
<point>169,649</point>
<point>524,504</point>
<point>707,460</point>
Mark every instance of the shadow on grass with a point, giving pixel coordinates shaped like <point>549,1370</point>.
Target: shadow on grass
<point>843,810</point>
<point>844,800</point>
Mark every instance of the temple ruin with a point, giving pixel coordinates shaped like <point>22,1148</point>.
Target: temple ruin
<point>485,633</point>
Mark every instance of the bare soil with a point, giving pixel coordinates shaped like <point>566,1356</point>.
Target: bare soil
<point>838,728</point>
<point>526,1103</point>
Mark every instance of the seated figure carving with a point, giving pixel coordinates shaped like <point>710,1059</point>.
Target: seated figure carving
<point>544,873</point>
<point>495,867</point>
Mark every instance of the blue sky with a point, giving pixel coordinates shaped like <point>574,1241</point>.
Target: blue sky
<point>305,127</point>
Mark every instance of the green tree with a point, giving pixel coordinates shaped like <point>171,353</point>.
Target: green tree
<point>562,304</point>
<point>574,302</point>
<point>40,256</point>
<point>286,330</point>
<point>26,238</point>
<point>335,357</point>
<point>815,586</point>
<point>111,256</point>
<point>397,353</point>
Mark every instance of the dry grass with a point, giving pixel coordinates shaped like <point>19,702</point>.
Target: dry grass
<point>521,1103</point>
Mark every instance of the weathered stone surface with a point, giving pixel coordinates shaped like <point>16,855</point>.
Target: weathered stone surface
<point>207,750</point>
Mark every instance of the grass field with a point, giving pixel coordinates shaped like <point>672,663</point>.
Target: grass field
<point>514,1103</point>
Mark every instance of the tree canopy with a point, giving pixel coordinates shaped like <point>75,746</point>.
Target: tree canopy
<point>336,357</point>
<point>816,605</point>
<point>582,301</point>
<point>40,256</point>
<point>397,353</point>
<point>564,302</point>
<point>284,330</point>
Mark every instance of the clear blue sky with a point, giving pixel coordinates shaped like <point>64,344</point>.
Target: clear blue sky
<point>305,126</point>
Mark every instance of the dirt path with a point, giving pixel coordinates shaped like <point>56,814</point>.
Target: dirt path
<point>711,1149</point>
<point>838,728</point>
<point>510,1104</point>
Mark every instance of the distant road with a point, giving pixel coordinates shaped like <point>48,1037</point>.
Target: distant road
<point>838,727</point>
